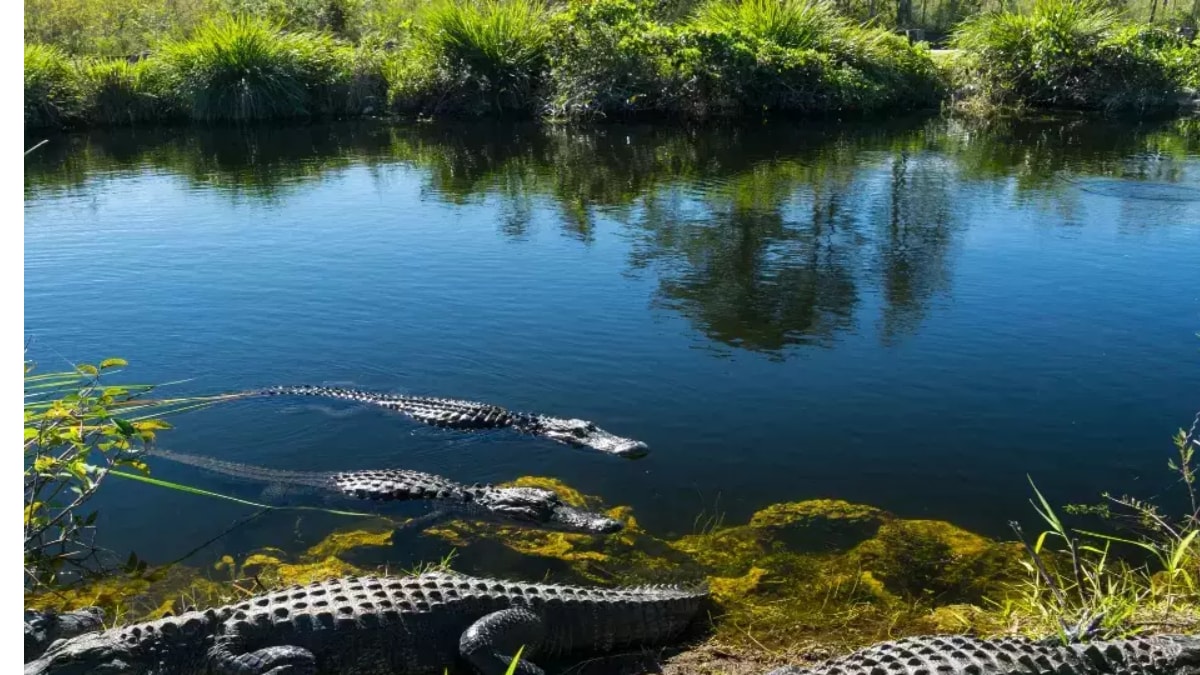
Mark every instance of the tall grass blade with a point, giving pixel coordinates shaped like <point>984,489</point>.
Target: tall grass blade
<point>216,495</point>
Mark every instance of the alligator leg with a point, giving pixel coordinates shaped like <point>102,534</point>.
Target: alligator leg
<point>491,642</point>
<point>227,657</point>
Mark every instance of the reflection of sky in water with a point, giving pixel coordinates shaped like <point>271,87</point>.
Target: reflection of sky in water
<point>913,318</point>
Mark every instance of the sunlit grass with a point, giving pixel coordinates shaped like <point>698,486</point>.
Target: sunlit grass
<point>245,68</point>
<point>788,23</point>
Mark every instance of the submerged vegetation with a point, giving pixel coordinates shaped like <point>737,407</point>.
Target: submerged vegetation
<point>222,61</point>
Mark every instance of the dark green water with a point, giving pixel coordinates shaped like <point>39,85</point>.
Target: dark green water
<point>913,315</point>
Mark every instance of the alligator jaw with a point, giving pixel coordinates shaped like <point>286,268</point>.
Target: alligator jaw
<point>585,434</point>
<point>542,509</point>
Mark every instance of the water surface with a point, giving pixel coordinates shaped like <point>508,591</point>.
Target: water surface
<point>914,315</point>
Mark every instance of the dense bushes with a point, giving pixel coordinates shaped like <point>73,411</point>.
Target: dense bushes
<point>473,58</point>
<point>732,58</point>
<point>591,58</point>
<point>51,87</point>
<point>246,69</point>
<point>1074,55</point>
<point>235,69</point>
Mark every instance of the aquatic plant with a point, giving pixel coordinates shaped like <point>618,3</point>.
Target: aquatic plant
<point>52,95</point>
<point>1078,581</point>
<point>475,57</point>
<point>242,68</point>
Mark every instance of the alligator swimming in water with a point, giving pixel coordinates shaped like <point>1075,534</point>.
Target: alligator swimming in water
<point>961,655</point>
<point>473,416</point>
<point>371,626</point>
<point>523,506</point>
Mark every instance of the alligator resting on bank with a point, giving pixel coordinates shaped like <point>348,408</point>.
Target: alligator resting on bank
<point>43,628</point>
<point>521,506</point>
<point>460,415</point>
<point>961,655</point>
<point>376,625</point>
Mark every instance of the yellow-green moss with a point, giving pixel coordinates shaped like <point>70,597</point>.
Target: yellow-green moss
<point>812,511</point>
<point>340,543</point>
<point>819,525</point>
<point>732,589</point>
<point>772,587</point>
<point>937,561</point>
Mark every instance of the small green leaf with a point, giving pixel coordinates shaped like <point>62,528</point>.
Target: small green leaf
<point>125,427</point>
<point>113,363</point>
<point>87,369</point>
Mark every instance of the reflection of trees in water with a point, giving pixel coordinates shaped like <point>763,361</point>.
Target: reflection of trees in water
<point>763,238</point>
<point>915,233</point>
<point>764,266</point>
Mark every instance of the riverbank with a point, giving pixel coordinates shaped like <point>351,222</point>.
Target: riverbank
<point>798,583</point>
<point>619,59</point>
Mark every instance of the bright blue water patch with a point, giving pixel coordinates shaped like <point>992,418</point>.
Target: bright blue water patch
<point>913,317</point>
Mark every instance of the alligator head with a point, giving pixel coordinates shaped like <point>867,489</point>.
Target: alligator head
<point>43,628</point>
<point>544,509</point>
<point>584,434</point>
<point>98,653</point>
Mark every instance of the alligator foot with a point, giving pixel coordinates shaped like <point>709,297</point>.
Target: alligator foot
<point>226,659</point>
<point>491,642</point>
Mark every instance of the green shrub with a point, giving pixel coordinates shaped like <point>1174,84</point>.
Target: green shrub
<point>244,69</point>
<point>804,24</point>
<point>111,28</point>
<point>1069,54</point>
<point>119,92</point>
<point>798,57</point>
<point>474,57</point>
<point>732,58</point>
<point>610,57</point>
<point>51,87</point>
<point>357,85</point>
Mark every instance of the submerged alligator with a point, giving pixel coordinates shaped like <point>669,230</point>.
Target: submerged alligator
<point>369,626</point>
<point>961,655</point>
<point>461,415</point>
<point>523,506</point>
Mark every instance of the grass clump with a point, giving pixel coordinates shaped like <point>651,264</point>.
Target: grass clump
<point>245,69</point>
<point>733,57</point>
<point>1067,54</point>
<point>119,92</point>
<point>799,56</point>
<point>471,58</point>
<point>1079,584</point>
<point>805,24</point>
<point>52,96</point>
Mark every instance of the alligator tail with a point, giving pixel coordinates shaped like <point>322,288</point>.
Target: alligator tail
<point>244,471</point>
